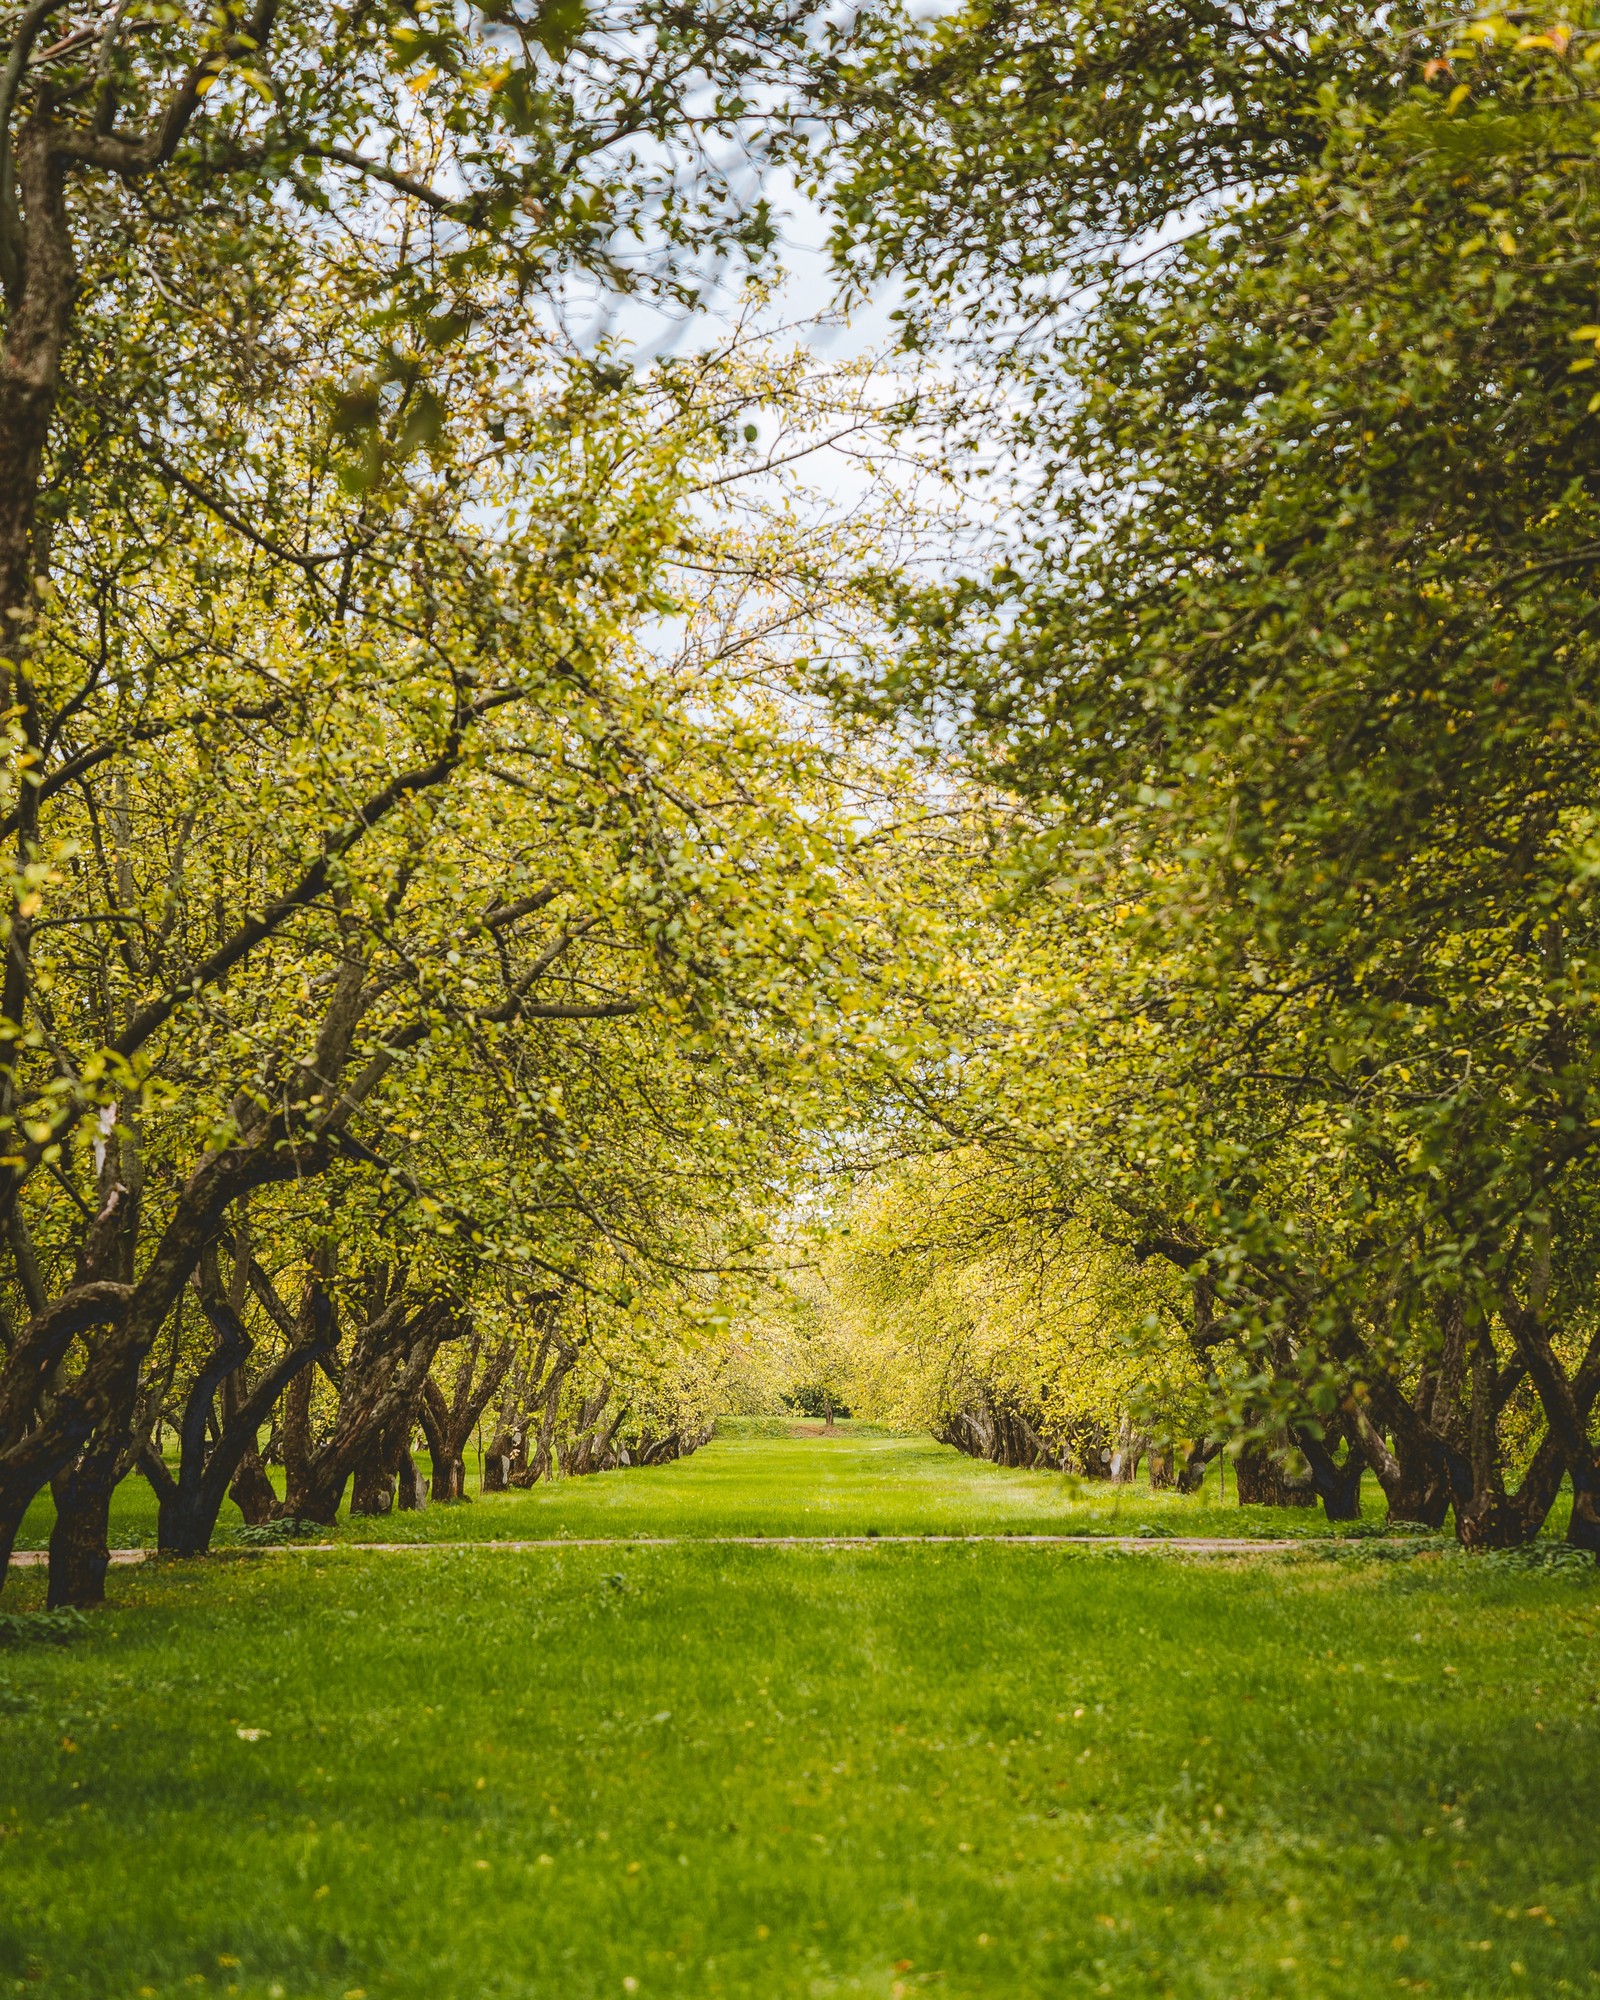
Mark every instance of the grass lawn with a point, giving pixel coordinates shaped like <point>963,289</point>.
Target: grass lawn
<point>983,1770</point>
<point>746,1484</point>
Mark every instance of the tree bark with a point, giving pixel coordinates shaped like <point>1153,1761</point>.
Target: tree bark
<point>1412,1464</point>
<point>1263,1481</point>
<point>80,1540</point>
<point>448,1422</point>
<point>548,1401</point>
<point>1337,1482</point>
<point>375,1476</point>
<point>40,293</point>
<point>412,1487</point>
<point>1566,1403</point>
<point>382,1382</point>
<point>496,1476</point>
<point>1195,1461</point>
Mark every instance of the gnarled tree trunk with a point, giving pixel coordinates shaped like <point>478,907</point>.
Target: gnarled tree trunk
<point>547,1400</point>
<point>211,1455</point>
<point>448,1421</point>
<point>1337,1481</point>
<point>381,1383</point>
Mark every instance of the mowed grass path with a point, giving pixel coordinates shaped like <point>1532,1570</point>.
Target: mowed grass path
<point>984,1770</point>
<point>857,1483</point>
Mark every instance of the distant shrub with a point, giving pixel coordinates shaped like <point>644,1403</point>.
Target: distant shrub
<point>813,1400</point>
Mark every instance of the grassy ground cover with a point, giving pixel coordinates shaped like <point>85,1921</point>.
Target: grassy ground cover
<point>746,1483</point>
<point>981,1770</point>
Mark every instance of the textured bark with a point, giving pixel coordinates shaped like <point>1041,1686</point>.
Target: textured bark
<point>380,1386</point>
<point>79,1541</point>
<point>1337,1480</point>
<point>40,293</point>
<point>83,1482</point>
<point>588,1449</point>
<point>997,1431</point>
<point>674,1444</point>
<point>1411,1461</point>
<point>411,1487</point>
<point>1567,1402</point>
<point>296,1436</point>
<point>1487,1514</point>
<point>1090,1450</point>
<point>449,1420</point>
<point>375,1485</point>
<point>1130,1448</point>
<point>1264,1481</point>
<point>94,1409</point>
<point>497,1463</point>
<point>1195,1461</point>
<point>211,1453</point>
<point>251,1490</point>
<point>547,1401</point>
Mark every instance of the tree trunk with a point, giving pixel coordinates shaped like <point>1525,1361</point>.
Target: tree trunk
<point>372,1489</point>
<point>252,1491</point>
<point>80,1540</point>
<point>1092,1450</point>
<point>448,1422</point>
<point>1567,1403</point>
<point>1262,1481</point>
<point>1413,1469</point>
<point>496,1476</point>
<point>40,294</point>
<point>296,1439</point>
<point>1255,1477</point>
<point>380,1387</point>
<point>1337,1483</point>
<point>1196,1459</point>
<point>549,1397</point>
<point>212,1454</point>
<point>413,1488</point>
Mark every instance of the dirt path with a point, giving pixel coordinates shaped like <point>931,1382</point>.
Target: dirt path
<point>1190,1545</point>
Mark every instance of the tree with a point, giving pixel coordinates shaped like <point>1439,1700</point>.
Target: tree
<point>981,1306</point>
<point>1295,657</point>
<point>440,888</point>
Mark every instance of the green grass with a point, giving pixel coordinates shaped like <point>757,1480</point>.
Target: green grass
<point>861,1481</point>
<point>1005,1771</point>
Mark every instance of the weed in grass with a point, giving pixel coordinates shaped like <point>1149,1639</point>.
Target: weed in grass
<point>273,1534</point>
<point>41,1628</point>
